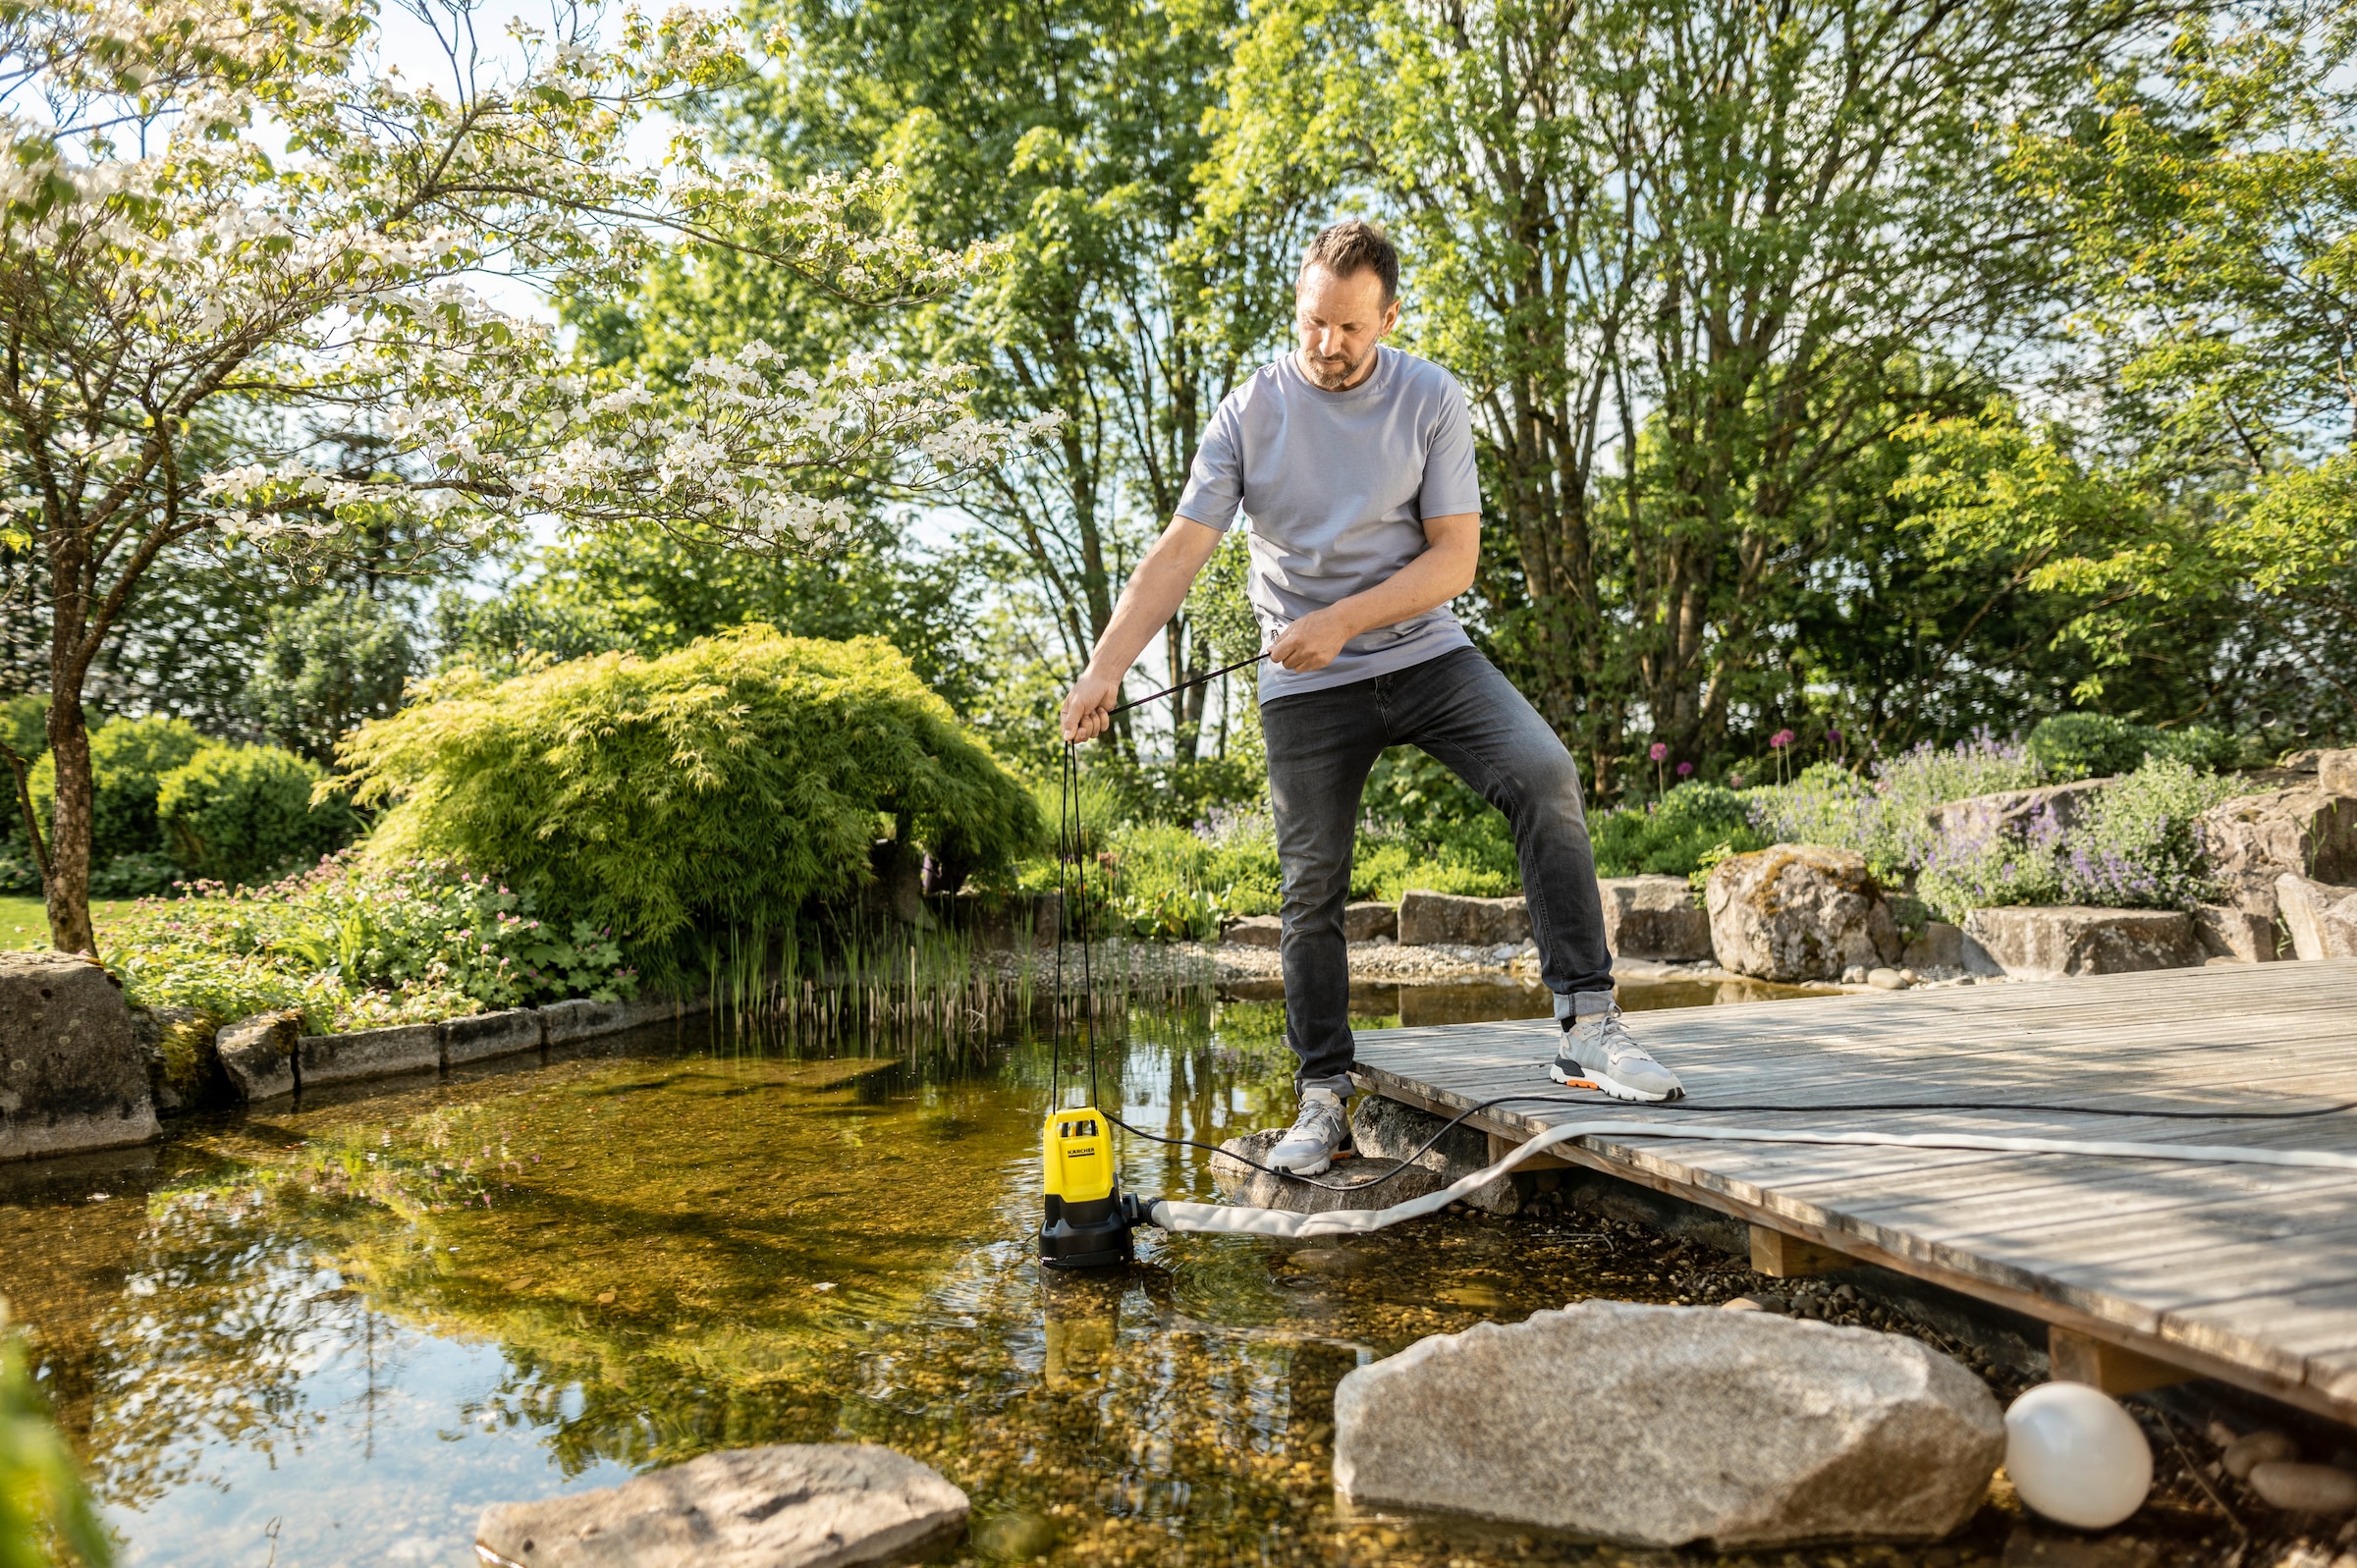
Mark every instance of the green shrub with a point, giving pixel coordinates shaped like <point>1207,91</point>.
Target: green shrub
<point>139,875</point>
<point>1671,836</point>
<point>354,948</point>
<point>129,758</point>
<point>244,814</point>
<point>730,782</point>
<point>2137,848</point>
<point>1887,820</point>
<point>2097,745</point>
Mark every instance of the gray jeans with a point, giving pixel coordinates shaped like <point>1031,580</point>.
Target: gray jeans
<point>1460,710</point>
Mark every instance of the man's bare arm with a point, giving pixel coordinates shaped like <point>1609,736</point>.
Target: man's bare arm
<point>1452,549</point>
<point>1156,591</point>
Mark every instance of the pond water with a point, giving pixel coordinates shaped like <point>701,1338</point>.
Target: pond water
<point>329,1334</point>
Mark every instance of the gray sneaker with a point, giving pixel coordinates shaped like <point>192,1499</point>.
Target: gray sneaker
<point>1319,1130</point>
<point>1599,1048</point>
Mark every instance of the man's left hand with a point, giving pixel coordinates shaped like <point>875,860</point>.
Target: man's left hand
<point>1312,642</point>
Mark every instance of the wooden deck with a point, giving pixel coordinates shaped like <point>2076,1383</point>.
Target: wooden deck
<point>2242,1273</point>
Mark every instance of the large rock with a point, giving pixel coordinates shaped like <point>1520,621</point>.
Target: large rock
<point>2237,930</point>
<point>323,1060</point>
<point>2336,773</point>
<point>1368,919</point>
<point>511,1032</point>
<point>1654,917</point>
<point>1799,912</point>
<point>1939,946</point>
<point>1391,1131</point>
<point>71,1075</point>
<point>1243,1185</point>
<point>793,1505</point>
<point>2309,830</point>
<point>2013,813</point>
<point>1428,919</point>
<point>2322,918</point>
<point>1662,1426</point>
<point>2052,940</point>
<point>258,1054</point>
<point>1255,931</point>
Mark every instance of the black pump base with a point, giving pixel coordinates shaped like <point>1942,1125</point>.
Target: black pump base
<point>1094,1234</point>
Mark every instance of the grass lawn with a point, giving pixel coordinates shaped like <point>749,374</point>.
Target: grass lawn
<point>24,921</point>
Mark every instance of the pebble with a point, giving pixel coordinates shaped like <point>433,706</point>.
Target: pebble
<point>1855,975</point>
<point>2257,1448</point>
<point>1885,979</point>
<point>2305,1488</point>
<point>1845,1292</point>
<point>1740,1304</point>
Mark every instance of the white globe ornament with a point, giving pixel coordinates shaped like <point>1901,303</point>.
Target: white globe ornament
<point>2076,1456</point>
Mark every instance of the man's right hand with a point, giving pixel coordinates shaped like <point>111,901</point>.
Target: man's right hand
<point>1089,707</point>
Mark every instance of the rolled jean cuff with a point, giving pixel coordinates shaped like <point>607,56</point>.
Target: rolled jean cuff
<point>1341,1086</point>
<point>1578,1004</point>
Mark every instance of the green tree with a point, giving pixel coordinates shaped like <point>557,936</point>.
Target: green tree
<point>326,665</point>
<point>1691,257</point>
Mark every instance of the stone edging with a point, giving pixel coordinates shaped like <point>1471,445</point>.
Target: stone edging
<point>266,1058</point>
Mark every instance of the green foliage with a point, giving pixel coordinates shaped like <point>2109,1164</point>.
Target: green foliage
<point>727,782</point>
<point>1887,818</point>
<point>2097,745</point>
<point>352,946</point>
<point>1672,837</point>
<point>24,725</point>
<point>246,814</point>
<point>325,667</point>
<point>128,759</point>
<point>46,1519</point>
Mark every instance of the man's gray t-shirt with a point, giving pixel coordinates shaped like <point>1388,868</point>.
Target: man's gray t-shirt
<point>1338,485</point>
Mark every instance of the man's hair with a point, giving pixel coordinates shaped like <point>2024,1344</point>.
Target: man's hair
<point>1349,248</point>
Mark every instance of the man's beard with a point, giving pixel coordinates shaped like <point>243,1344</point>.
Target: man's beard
<point>1333,375</point>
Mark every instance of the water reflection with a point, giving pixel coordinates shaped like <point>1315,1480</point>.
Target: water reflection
<point>336,1331</point>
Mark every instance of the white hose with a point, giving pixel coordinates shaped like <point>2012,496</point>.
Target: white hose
<point>1225,1220</point>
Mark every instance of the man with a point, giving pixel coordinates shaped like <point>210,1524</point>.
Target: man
<point>1354,464</point>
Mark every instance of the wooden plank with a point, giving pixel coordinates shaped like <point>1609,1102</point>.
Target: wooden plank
<point>2076,1356</point>
<point>2244,1272</point>
<point>1782,1257</point>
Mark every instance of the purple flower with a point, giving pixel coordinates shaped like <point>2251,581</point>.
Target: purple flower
<point>1686,770</point>
<point>1780,740</point>
<point>1661,750</point>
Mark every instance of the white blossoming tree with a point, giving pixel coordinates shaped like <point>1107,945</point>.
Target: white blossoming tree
<point>243,282</point>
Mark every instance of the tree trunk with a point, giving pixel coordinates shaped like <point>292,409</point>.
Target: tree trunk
<point>69,889</point>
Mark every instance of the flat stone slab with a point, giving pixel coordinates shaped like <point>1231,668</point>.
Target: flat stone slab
<point>1247,1188</point>
<point>258,1054</point>
<point>1368,919</point>
<point>581,1019</point>
<point>1254,931</point>
<point>1448,919</point>
<point>323,1060</point>
<point>1664,1425</point>
<point>1654,917</point>
<point>71,1073</point>
<point>2050,942</point>
<point>484,1035</point>
<point>789,1505</point>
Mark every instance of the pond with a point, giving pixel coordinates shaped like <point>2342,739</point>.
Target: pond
<point>332,1333</point>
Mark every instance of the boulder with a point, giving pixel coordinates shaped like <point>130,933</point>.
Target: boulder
<point>1241,1185</point>
<point>1939,946</point>
<point>2236,930</point>
<point>484,1035</point>
<point>1654,917</point>
<point>322,1059</point>
<point>2322,918</point>
<point>1431,919</point>
<point>258,1054</point>
<point>1255,931</point>
<point>2305,1488</point>
<point>792,1505</point>
<point>2336,773</point>
<point>2012,813</point>
<point>1368,919</point>
<point>71,1074</point>
<point>897,887</point>
<point>2052,940</point>
<point>1389,1131</point>
<point>1799,912</point>
<point>1662,1426</point>
<point>2308,830</point>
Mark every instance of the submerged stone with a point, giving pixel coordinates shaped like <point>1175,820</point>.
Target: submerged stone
<point>790,1506</point>
<point>1612,1419</point>
<point>258,1054</point>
